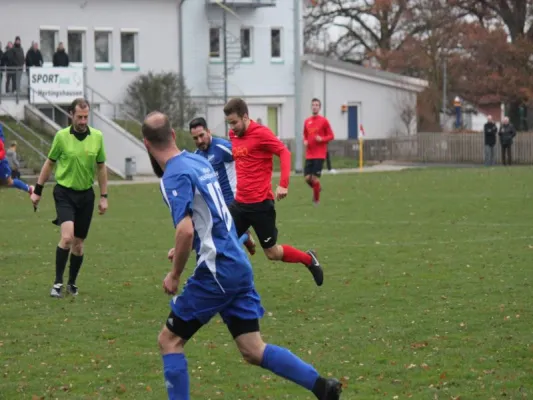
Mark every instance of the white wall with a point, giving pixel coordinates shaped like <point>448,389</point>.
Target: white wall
<point>261,76</point>
<point>157,42</point>
<point>257,107</point>
<point>379,105</point>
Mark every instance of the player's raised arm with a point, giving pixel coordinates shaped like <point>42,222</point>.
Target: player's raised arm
<point>270,142</point>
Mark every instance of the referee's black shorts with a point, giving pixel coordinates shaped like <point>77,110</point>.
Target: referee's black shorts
<point>76,206</point>
<point>313,166</point>
<point>260,216</point>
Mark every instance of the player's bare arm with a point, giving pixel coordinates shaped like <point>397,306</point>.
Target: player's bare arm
<point>102,183</point>
<point>182,250</point>
<point>285,159</point>
<point>46,171</point>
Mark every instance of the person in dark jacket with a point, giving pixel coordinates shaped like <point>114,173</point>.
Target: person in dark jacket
<point>1,66</point>
<point>490,129</point>
<point>18,60</point>
<point>507,134</point>
<point>34,58</point>
<point>7,65</point>
<point>60,58</point>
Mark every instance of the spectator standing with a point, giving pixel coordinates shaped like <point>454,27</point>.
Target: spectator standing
<point>18,62</point>
<point>60,58</point>
<point>34,58</point>
<point>507,134</point>
<point>1,66</point>
<point>490,130</point>
<point>7,65</point>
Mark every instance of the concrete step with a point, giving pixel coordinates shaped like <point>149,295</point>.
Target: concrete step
<point>26,171</point>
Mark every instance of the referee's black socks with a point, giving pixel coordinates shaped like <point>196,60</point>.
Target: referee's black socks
<point>75,265</point>
<point>61,263</point>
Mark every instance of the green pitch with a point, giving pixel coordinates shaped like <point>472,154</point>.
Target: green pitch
<point>427,294</point>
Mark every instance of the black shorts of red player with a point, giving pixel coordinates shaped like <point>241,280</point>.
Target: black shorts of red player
<point>314,167</point>
<point>260,216</point>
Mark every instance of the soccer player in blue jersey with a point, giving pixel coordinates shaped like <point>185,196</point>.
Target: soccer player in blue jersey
<point>218,153</point>
<point>5,169</point>
<point>222,281</point>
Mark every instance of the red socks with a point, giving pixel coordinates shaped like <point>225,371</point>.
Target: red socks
<point>292,255</point>
<point>316,191</point>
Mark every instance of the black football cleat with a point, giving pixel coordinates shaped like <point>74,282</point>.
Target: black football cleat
<point>333,390</point>
<point>315,268</point>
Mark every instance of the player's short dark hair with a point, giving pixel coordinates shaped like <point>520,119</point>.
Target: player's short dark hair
<point>315,99</point>
<point>158,134</point>
<point>79,102</point>
<point>236,106</point>
<point>196,122</point>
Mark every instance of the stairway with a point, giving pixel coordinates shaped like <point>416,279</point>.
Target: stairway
<point>32,147</point>
<point>215,72</point>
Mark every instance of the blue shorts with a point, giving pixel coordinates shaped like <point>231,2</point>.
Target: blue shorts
<point>5,170</point>
<point>198,303</point>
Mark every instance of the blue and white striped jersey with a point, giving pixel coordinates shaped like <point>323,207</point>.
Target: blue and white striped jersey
<point>221,158</point>
<point>190,187</point>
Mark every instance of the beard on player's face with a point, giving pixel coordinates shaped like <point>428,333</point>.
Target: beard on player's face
<point>158,171</point>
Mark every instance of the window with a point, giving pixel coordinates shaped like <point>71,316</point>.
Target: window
<point>275,43</point>
<point>102,47</point>
<point>214,42</point>
<point>49,39</point>
<point>75,46</point>
<point>128,48</point>
<point>246,43</point>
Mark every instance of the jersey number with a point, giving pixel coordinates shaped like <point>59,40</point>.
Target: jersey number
<point>216,194</point>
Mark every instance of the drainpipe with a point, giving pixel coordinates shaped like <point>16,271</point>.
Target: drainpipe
<point>180,55</point>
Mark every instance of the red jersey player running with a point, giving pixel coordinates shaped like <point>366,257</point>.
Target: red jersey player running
<point>253,147</point>
<point>317,134</point>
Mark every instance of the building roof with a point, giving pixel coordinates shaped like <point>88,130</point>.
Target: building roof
<point>364,73</point>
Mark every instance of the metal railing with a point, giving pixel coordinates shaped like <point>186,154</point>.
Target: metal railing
<point>34,157</point>
<point>14,83</point>
<point>35,135</point>
<point>432,147</point>
<point>50,103</point>
<point>119,111</point>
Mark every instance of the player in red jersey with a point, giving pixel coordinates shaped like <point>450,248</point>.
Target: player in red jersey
<point>317,134</point>
<point>253,147</point>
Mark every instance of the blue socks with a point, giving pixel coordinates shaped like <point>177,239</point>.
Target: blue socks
<point>18,184</point>
<point>176,376</point>
<point>276,359</point>
<point>243,238</point>
<point>285,364</point>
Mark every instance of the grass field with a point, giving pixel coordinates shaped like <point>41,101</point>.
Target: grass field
<point>427,294</point>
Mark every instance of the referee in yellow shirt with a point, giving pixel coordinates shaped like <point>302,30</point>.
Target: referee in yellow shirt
<point>77,153</point>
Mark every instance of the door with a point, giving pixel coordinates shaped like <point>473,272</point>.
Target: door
<point>272,119</point>
<point>353,122</point>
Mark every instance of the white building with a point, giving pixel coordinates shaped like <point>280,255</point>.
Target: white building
<point>260,58</point>
<point>116,40</point>
<point>384,104</point>
<point>260,52</point>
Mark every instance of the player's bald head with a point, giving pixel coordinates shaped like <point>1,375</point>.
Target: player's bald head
<point>156,129</point>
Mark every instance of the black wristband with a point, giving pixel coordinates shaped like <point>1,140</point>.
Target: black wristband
<point>38,190</point>
<point>104,196</point>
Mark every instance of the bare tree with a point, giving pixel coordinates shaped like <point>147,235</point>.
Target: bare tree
<point>405,104</point>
